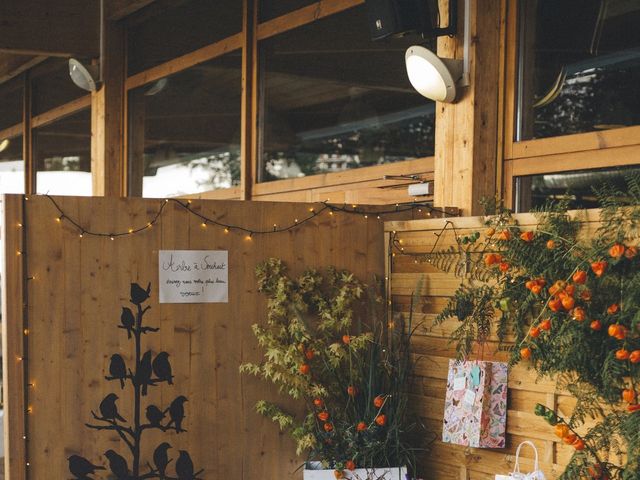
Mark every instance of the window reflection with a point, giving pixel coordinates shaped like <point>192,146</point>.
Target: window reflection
<point>532,192</point>
<point>334,100</point>
<point>62,153</point>
<point>184,132</point>
<point>11,165</point>
<point>580,66</point>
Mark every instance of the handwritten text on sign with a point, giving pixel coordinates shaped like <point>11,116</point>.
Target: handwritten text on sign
<point>194,276</point>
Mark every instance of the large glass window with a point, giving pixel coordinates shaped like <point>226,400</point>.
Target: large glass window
<point>184,132</point>
<point>51,86</point>
<point>62,154</point>
<point>333,100</point>
<point>11,165</point>
<point>579,66</point>
<point>159,34</point>
<point>533,191</point>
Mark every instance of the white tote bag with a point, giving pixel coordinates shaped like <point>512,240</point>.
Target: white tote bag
<point>517,475</point>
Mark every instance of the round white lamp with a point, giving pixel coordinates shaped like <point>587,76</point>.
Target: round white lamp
<point>433,77</point>
<point>84,77</point>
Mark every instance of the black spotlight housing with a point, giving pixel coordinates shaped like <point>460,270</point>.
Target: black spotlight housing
<point>396,18</point>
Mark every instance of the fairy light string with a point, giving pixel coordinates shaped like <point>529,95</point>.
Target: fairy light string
<point>313,212</point>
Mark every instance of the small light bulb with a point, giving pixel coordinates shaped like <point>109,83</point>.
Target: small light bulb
<point>203,224</point>
<point>59,219</point>
<point>366,216</point>
<point>112,237</point>
<point>149,225</point>
<point>81,235</point>
<point>26,331</point>
<point>226,230</point>
<point>19,225</point>
<point>18,253</point>
<point>130,230</point>
<point>331,213</point>
<point>295,220</point>
<point>312,210</point>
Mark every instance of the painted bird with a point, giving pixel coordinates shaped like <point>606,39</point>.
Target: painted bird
<point>138,294</point>
<point>117,369</point>
<point>176,412</point>
<point>109,410</point>
<point>143,375</point>
<point>127,321</point>
<point>155,415</point>
<point>118,465</point>
<point>184,466</point>
<point>81,468</point>
<point>161,459</point>
<point>162,368</point>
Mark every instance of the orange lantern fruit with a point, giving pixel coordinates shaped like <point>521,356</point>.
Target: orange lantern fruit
<point>630,252</point>
<point>381,420</point>
<point>551,244</point>
<point>596,325</point>
<point>318,402</point>
<point>562,430</point>
<point>613,309</point>
<point>617,250</point>
<point>568,302</point>
<point>534,332</point>
<point>305,369</point>
<point>635,356</point>
<point>324,416</point>
<point>361,426</point>
<point>526,236</point>
<point>580,277</point>
<point>629,395</point>
<point>525,353</point>
<point>599,267</point>
<point>545,324</point>
<point>623,354</point>
<point>346,339</point>
<point>350,465</point>
<point>352,391</point>
<point>378,401</point>
<point>579,314</point>
<point>328,427</point>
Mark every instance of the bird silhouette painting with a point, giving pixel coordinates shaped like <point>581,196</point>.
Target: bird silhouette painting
<point>82,468</point>
<point>144,372</point>
<point>117,369</point>
<point>162,368</point>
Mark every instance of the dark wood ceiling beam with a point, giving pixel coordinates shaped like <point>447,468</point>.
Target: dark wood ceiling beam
<point>61,28</point>
<point>119,9</point>
<point>13,65</point>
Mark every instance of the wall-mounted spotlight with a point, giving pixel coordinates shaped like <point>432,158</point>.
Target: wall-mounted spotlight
<point>438,78</point>
<point>4,144</point>
<point>85,77</point>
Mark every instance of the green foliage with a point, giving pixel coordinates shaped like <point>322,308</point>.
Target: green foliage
<point>576,329</point>
<point>326,346</point>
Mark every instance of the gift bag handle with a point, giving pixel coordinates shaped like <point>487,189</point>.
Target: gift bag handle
<point>516,468</point>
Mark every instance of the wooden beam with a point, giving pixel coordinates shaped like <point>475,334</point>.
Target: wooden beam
<point>118,9</point>
<point>466,131</point>
<point>12,66</point>
<point>61,111</point>
<point>107,118</point>
<point>13,345</point>
<point>27,138</point>
<point>61,28</point>
<point>247,128</point>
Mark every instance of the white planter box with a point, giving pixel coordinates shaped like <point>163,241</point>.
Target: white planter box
<point>395,473</point>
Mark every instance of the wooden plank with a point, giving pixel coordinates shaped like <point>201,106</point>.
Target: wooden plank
<point>13,351</point>
<point>27,137</point>
<point>359,175</point>
<point>579,160</point>
<point>247,126</point>
<point>304,15</point>
<point>33,28</point>
<point>12,66</point>
<point>466,131</point>
<point>183,62</point>
<point>12,132</point>
<point>61,111</point>
<point>107,118</point>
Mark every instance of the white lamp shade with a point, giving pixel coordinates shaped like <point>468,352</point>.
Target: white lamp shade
<point>84,77</point>
<point>432,76</point>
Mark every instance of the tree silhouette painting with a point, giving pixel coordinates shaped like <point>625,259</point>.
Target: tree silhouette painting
<point>147,372</point>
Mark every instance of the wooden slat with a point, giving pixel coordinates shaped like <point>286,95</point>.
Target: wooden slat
<point>62,111</point>
<point>13,361</point>
<point>11,132</point>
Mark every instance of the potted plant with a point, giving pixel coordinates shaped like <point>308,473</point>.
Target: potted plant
<point>352,375</point>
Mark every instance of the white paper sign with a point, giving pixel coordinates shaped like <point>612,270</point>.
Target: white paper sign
<point>194,276</point>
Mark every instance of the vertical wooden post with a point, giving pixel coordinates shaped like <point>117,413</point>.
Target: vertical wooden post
<point>107,118</point>
<point>27,142</point>
<point>249,47</point>
<point>13,338</point>
<point>466,131</point>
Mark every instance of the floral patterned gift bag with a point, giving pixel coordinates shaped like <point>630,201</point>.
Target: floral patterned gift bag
<point>475,411</point>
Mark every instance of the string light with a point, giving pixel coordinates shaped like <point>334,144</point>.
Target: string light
<point>206,221</point>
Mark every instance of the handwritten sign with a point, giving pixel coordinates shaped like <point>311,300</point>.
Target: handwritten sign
<point>194,276</point>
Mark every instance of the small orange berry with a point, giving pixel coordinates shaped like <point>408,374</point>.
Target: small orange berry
<point>569,439</point>
<point>378,401</point>
<point>536,289</point>
<point>568,303</point>
<point>381,420</point>
<point>555,304</point>
<point>352,391</point>
<point>504,235</point>
<point>623,354</point>
<point>350,465</point>
<point>526,236</point>
<point>617,250</point>
<point>305,369</point>
<point>551,244</point>
<point>586,295</point>
<point>630,252</point>
<point>346,339</point>
<point>578,444</point>
<point>633,408</point>
<point>599,267</point>
<point>534,332</point>
<point>489,232</point>
<point>309,354</point>
<point>318,402</point>
<point>579,314</point>
<point>328,427</point>
<point>580,277</point>
<point>525,353</point>
<point>545,324</point>
<point>562,430</point>
<point>629,395</point>
<point>361,427</point>
<point>504,267</point>
<point>635,356</point>
<point>324,416</point>
<point>613,309</point>
<point>596,325</point>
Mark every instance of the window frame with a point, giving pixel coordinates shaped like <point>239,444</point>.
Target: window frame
<point>578,151</point>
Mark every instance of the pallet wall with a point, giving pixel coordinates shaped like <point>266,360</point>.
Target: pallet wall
<point>433,351</point>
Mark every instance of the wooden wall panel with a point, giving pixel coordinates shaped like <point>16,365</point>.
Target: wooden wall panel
<point>75,302</point>
<point>432,351</point>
